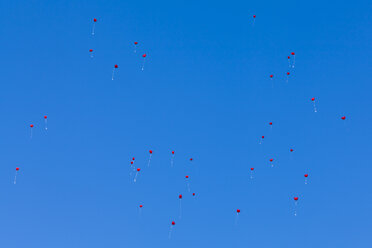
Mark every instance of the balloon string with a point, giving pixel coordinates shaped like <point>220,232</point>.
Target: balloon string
<point>94,25</point>
<point>172,161</point>
<point>46,124</point>
<point>170,232</point>
<point>143,64</point>
<point>315,107</point>
<point>135,177</point>
<point>148,164</point>
<point>294,60</point>
<point>188,186</point>
<point>15,178</point>
<point>113,71</point>
<point>180,209</point>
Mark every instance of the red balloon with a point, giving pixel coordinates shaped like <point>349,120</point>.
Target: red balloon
<point>172,152</point>
<point>343,117</point>
<point>271,75</point>
<point>238,210</point>
<point>144,55</point>
<point>150,151</point>
<point>271,160</point>
<point>32,125</point>
<point>288,73</point>
<point>252,169</point>
<point>133,158</point>
<point>131,162</point>
<point>313,99</point>
<point>291,150</point>
<point>180,196</point>
<point>295,198</point>
<point>262,136</point>
<point>306,175</point>
<point>17,169</point>
<point>173,223</point>
<point>193,194</point>
<point>135,43</point>
<point>187,176</point>
<point>270,123</point>
<point>254,16</point>
<point>90,50</point>
<point>45,116</point>
<point>289,57</point>
<point>191,159</point>
<point>292,53</point>
<point>138,169</point>
<point>140,206</point>
<point>94,19</point>
<point>116,66</point>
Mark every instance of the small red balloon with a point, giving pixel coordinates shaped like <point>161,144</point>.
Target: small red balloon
<point>133,158</point>
<point>45,117</point>
<point>138,169</point>
<point>270,123</point>
<point>262,136</point>
<point>135,43</point>
<point>187,176</point>
<point>289,57</point>
<point>288,73</point>
<point>180,196</point>
<point>295,198</point>
<point>150,151</point>
<point>172,152</point>
<point>252,169</point>
<point>17,169</point>
<point>116,66</point>
<point>313,99</point>
<point>306,175</point>
<point>271,75</point>
<point>131,162</point>
<point>193,194</point>
<point>191,159</point>
<point>94,19</point>
<point>173,223</point>
<point>144,55</point>
<point>343,117</point>
<point>32,125</point>
<point>292,53</point>
<point>271,160</point>
<point>291,150</point>
<point>238,210</point>
<point>90,50</point>
<point>140,206</point>
<point>254,16</point>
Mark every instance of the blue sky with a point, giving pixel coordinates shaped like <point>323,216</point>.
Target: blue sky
<point>205,93</point>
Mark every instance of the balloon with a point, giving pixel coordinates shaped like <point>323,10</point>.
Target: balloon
<point>270,123</point>
<point>271,75</point>
<point>191,159</point>
<point>173,223</point>
<point>140,206</point>
<point>343,117</point>
<point>94,19</point>
<point>254,16</point>
<point>150,151</point>
<point>135,43</point>
<point>306,175</point>
<point>193,194</point>
<point>271,160</point>
<point>252,169</point>
<point>45,116</point>
<point>313,99</point>
<point>295,198</point>
<point>172,152</point>
<point>32,125</point>
<point>180,196</point>
<point>293,53</point>
<point>138,169</point>
<point>291,150</point>
<point>238,210</point>
<point>116,66</point>
<point>131,162</point>
<point>133,158</point>
<point>288,73</point>
<point>187,176</point>
<point>144,55</point>
<point>17,169</point>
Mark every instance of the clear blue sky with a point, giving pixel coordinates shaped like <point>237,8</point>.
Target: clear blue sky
<point>205,93</point>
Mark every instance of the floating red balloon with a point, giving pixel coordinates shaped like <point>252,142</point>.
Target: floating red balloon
<point>295,198</point>
<point>343,117</point>
<point>138,169</point>
<point>180,196</point>
<point>306,175</point>
<point>17,169</point>
<point>238,210</point>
